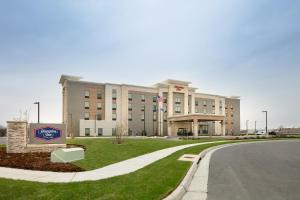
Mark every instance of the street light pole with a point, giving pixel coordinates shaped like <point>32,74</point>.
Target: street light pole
<point>38,103</point>
<point>144,120</point>
<point>247,126</point>
<point>255,126</point>
<point>266,121</point>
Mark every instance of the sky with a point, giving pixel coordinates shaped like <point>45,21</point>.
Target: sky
<point>246,48</point>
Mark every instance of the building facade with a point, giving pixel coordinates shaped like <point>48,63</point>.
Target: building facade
<point>169,108</point>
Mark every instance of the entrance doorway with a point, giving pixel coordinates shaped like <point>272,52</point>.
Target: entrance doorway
<point>203,129</point>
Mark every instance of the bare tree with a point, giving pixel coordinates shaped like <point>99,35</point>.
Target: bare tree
<point>121,130</point>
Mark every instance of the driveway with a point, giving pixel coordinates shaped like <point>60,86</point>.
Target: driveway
<point>262,171</point>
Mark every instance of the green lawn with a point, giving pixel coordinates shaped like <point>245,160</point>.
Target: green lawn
<point>152,182</point>
<point>102,152</point>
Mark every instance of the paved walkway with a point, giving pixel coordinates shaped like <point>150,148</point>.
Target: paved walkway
<point>117,169</point>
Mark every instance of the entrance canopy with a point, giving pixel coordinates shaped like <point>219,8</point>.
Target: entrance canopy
<point>196,117</point>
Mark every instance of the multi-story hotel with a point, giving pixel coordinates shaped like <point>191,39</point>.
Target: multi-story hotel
<point>169,108</point>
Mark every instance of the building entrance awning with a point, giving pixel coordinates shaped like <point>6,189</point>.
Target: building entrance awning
<point>198,117</point>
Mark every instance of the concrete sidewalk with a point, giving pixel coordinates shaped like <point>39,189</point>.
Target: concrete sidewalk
<point>117,169</point>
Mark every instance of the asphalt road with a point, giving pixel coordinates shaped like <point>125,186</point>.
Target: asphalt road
<point>258,171</point>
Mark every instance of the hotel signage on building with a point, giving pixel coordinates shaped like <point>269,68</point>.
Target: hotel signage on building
<point>47,134</point>
<point>178,88</point>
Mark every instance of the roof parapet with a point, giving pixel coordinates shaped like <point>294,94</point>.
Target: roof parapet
<point>63,78</point>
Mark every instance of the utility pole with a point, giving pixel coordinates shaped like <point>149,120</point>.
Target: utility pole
<point>266,121</point>
<point>38,103</point>
<point>255,126</point>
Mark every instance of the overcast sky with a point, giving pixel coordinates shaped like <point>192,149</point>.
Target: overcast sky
<point>248,48</point>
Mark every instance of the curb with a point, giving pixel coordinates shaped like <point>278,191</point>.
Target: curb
<point>182,188</point>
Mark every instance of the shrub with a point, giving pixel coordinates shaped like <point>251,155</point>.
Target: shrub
<point>2,132</point>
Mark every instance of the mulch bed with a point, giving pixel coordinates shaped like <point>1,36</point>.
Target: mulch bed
<point>35,161</point>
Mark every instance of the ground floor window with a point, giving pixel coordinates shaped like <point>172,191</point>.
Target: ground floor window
<point>114,131</point>
<point>87,132</point>
<point>100,131</point>
<point>129,132</point>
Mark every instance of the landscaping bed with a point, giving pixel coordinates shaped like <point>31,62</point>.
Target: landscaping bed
<point>34,161</point>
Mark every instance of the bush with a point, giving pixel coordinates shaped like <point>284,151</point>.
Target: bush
<point>2,132</point>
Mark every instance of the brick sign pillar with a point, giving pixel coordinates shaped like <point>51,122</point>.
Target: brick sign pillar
<point>16,136</point>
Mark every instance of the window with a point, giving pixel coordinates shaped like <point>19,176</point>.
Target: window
<point>114,116</point>
<point>129,96</point>
<point>196,103</point>
<point>143,98</point>
<point>129,116</point>
<point>165,100</point>
<point>204,103</point>
<point>177,109</point>
<point>114,94</point>
<point>114,131</point>
<point>196,110</point>
<point>204,111</point>
<point>177,100</point>
<point>114,106</point>
<point>213,111</point>
<point>154,116</point>
<point>165,108</point>
<point>221,103</point>
<point>129,106</point>
<point>86,116</point>
<point>87,94</point>
<point>143,108</point>
<point>87,131</point>
<point>129,132</point>
<point>231,115</point>
<point>99,106</point>
<point>142,117</point>
<point>165,117</point>
<point>86,105</point>
<point>99,95</point>
<point>99,117</point>
<point>100,131</point>
<point>154,108</point>
<point>154,99</point>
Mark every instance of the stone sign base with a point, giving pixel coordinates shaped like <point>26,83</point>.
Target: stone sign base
<point>18,139</point>
<point>43,147</point>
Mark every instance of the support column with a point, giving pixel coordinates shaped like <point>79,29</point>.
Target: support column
<point>195,129</point>
<point>160,115</point>
<point>193,103</point>
<point>170,102</point>
<point>186,103</point>
<point>222,128</point>
<point>170,128</point>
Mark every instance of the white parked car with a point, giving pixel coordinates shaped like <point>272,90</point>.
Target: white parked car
<point>260,132</point>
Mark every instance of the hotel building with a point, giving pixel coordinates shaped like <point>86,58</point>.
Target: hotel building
<point>169,108</point>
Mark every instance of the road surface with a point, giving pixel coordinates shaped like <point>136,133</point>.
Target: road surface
<point>256,171</point>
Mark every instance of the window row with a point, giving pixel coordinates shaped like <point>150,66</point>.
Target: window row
<point>87,94</point>
<point>142,98</point>
<point>154,107</point>
<point>142,117</point>
<point>87,105</point>
<point>98,116</point>
<point>87,131</point>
